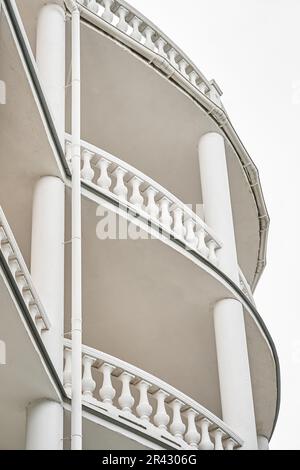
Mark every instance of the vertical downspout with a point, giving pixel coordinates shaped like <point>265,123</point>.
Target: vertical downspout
<point>76,418</point>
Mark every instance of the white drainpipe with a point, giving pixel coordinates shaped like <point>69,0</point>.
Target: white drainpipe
<point>76,418</point>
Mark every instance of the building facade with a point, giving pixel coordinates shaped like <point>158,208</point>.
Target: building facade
<point>159,252</point>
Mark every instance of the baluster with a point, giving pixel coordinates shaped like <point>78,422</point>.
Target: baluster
<point>161,418</point>
<point>107,391</point>
<point>39,323</point>
<point>27,296</point>
<point>182,67</point>
<point>178,226</point>
<point>93,6</point>
<point>203,88</point>
<point>104,181</point>
<point>165,217</point>
<point>136,198</point>
<point>67,374</point>
<point>13,265</point>
<point>136,23</point>
<point>21,282</point>
<point>229,444</point>
<point>193,78</point>
<point>6,249</point>
<point>122,24</point>
<point>3,236</point>
<point>212,246</point>
<point>120,189</point>
<point>87,172</point>
<point>201,247</point>
<point>144,409</point>
<point>161,44</point>
<point>177,427</point>
<point>190,236</point>
<point>126,400</point>
<point>192,436</point>
<point>68,152</point>
<point>107,14</point>
<point>218,435</point>
<point>152,208</point>
<point>172,57</point>
<point>88,383</point>
<point>205,443</point>
<point>148,33</point>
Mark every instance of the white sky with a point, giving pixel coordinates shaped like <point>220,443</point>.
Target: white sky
<point>251,48</point>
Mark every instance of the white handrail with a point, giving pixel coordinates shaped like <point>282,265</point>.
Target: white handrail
<point>189,415</point>
<point>20,273</point>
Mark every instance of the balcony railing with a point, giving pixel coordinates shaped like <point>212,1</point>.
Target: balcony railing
<point>143,196</point>
<point>137,398</point>
<point>138,28</point>
<point>21,275</point>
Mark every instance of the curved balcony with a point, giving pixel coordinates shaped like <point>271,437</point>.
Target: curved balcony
<point>139,399</point>
<point>145,199</point>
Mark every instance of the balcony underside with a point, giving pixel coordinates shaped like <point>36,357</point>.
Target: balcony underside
<point>25,376</point>
<point>151,305</point>
<point>133,111</point>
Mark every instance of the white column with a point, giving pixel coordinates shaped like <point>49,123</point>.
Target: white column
<point>263,443</point>
<point>44,430</point>
<point>47,260</point>
<point>231,344</point>
<point>50,59</point>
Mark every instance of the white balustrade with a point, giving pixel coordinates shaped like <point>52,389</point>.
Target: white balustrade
<point>107,13</point>
<point>107,391</point>
<point>20,274</point>
<point>161,418</point>
<point>136,198</point>
<point>206,443</point>
<point>192,436</point>
<point>67,375</point>
<point>132,23</point>
<point>126,400</point>
<point>134,396</point>
<point>120,189</point>
<point>218,435</point>
<point>87,172</point>
<point>150,200</point>
<point>144,409</point>
<point>135,23</point>
<point>88,383</point>
<point>104,181</point>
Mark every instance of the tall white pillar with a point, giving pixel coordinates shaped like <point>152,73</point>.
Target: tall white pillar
<point>50,59</point>
<point>47,259</point>
<point>231,344</point>
<point>263,443</point>
<point>43,425</point>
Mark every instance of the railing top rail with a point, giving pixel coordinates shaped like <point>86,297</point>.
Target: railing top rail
<point>156,382</point>
<point>23,266</point>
